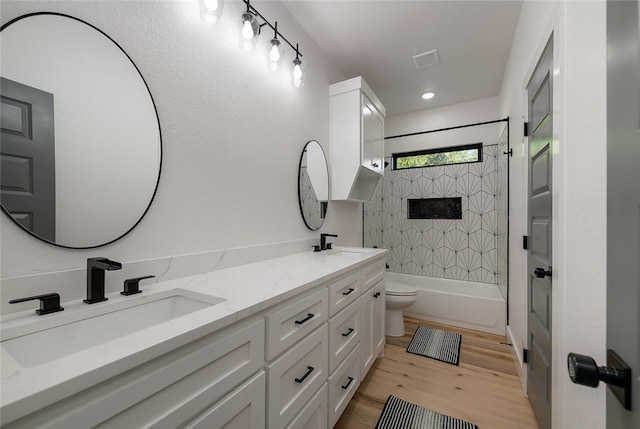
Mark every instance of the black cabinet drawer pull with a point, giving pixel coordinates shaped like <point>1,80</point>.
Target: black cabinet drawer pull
<point>346,386</point>
<point>376,295</point>
<point>348,292</point>
<point>309,317</point>
<point>306,374</point>
<point>349,332</point>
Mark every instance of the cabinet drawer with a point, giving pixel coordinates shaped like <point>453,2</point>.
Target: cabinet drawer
<point>344,291</point>
<point>372,274</point>
<point>231,359</point>
<point>344,334</point>
<point>241,409</point>
<point>292,322</point>
<point>314,414</point>
<point>343,384</point>
<point>294,378</point>
<point>166,390</point>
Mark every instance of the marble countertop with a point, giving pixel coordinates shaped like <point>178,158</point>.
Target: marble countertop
<point>247,290</point>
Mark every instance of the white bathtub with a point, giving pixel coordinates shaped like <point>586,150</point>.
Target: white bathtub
<point>478,306</point>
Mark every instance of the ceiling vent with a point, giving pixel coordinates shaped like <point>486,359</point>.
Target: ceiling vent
<point>427,59</point>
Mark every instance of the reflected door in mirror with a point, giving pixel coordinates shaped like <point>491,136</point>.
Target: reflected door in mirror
<point>27,157</point>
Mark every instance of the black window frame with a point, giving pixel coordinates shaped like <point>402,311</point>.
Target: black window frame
<point>477,146</point>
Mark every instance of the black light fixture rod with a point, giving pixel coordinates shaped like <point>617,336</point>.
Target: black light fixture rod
<point>254,10</point>
<point>447,129</point>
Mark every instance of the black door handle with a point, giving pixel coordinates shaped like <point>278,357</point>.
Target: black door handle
<point>542,273</point>
<point>617,374</point>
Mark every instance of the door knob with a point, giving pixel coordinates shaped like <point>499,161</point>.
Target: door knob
<point>617,375</point>
<point>542,273</point>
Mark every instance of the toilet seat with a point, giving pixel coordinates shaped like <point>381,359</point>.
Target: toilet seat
<point>397,289</point>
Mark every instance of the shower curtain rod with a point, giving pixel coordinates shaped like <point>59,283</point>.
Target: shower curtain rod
<point>449,128</point>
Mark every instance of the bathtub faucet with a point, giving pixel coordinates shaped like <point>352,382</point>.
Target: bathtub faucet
<point>323,241</point>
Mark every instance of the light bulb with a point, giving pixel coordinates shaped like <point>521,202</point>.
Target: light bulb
<point>211,10</point>
<point>247,30</point>
<point>297,73</point>
<point>211,4</point>
<point>275,52</point>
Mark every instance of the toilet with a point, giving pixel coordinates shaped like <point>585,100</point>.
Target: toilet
<point>397,297</point>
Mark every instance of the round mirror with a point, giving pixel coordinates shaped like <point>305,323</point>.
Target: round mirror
<point>313,185</point>
<point>80,139</point>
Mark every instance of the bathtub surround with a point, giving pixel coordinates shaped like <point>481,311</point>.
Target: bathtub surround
<point>463,249</point>
<point>470,305</point>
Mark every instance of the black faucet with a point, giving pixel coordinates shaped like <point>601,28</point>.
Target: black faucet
<point>95,278</point>
<point>323,241</point>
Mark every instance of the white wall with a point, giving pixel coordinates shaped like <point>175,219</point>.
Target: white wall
<point>486,109</point>
<point>232,135</point>
<point>579,193</point>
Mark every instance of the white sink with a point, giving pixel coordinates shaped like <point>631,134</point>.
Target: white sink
<point>87,328</point>
<point>346,253</point>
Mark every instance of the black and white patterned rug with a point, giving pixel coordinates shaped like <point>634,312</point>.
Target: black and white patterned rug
<point>436,344</point>
<point>400,414</point>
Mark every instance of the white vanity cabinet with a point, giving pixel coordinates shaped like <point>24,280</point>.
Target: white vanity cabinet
<point>295,364</point>
<point>357,140</point>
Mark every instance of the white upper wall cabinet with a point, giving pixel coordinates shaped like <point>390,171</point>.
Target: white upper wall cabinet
<point>357,140</point>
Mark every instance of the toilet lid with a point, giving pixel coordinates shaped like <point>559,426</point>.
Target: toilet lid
<point>398,289</point>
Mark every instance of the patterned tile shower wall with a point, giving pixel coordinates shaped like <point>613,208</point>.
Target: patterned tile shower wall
<point>463,249</point>
<point>309,204</point>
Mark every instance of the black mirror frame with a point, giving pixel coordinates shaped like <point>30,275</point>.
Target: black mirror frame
<point>155,109</point>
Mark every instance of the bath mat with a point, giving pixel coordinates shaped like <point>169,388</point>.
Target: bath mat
<point>400,414</point>
<point>436,344</point>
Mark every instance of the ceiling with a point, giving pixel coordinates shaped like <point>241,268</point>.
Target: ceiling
<point>377,39</point>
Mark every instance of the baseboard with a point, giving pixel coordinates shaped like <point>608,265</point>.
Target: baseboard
<point>516,352</point>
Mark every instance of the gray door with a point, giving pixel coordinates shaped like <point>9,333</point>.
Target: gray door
<point>539,92</point>
<point>623,202</point>
<point>27,157</point>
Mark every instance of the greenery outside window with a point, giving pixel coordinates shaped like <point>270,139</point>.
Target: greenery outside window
<point>442,156</point>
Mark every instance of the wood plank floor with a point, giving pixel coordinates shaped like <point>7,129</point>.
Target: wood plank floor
<point>484,389</point>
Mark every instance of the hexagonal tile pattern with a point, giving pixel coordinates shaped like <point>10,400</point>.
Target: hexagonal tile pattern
<point>472,248</point>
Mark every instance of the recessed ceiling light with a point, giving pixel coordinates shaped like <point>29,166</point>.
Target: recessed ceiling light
<point>428,95</point>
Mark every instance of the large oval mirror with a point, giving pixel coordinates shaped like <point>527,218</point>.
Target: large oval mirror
<point>80,139</point>
<point>313,185</point>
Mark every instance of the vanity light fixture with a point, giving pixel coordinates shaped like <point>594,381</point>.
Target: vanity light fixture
<point>275,53</point>
<point>297,70</point>
<point>428,95</point>
<point>211,10</point>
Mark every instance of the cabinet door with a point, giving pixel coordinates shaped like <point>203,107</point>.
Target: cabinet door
<point>372,339</point>
<point>366,330</point>
<point>378,329</point>
<point>367,132</point>
<point>377,141</point>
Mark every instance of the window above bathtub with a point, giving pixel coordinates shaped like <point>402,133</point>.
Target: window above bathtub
<point>464,154</point>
